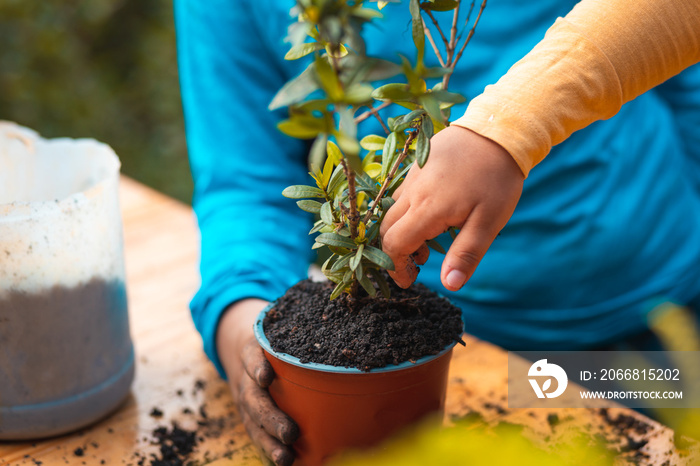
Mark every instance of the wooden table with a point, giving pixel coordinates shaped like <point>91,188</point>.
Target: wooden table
<point>174,377</point>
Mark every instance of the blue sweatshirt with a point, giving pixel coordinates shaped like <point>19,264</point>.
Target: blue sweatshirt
<point>607,225</point>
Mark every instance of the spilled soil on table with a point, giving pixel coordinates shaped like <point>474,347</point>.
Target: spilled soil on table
<point>363,332</point>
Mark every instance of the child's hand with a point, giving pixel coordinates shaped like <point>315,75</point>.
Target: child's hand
<point>470,183</point>
<point>249,375</point>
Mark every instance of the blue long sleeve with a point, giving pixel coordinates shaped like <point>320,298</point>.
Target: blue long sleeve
<point>255,242</point>
<point>682,94</point>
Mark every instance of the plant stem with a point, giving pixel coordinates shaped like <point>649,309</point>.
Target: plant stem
<point>369,113</point>
<point>453,33</point>
<point>446,78</point>
<point>429,35</point>
<point>353,215</point>
<point>439,29</point>
<point>411,136</point>
<point>379,118</point>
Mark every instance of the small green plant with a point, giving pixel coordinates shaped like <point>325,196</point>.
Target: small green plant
<point>355,179</point>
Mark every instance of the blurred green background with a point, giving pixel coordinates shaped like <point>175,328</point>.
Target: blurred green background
<point>103,69</point>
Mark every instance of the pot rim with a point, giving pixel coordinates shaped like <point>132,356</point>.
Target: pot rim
<point>293,360</point>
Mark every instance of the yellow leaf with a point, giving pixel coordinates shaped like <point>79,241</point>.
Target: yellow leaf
<point>381,5</point>
<point>372,142</point>
<point>334,152</point>
<point>373,169</point>
<point>327,172</point>
<point>361,228</point>
<point>342,51</point>
<point>360,199</point>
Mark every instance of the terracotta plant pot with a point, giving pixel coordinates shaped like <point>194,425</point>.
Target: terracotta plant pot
<point>339,408</point>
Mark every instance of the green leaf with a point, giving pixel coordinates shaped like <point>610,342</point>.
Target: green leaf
<point>313,207</point>
<point>388,154</point>
<point>347,121</point>
<point>426,127</point>
<point>372,142</point>
<point>335,277</point>
<point>334,239</point>
<point>337,180</point>
<point>436,72</point>
<point>404,121</point>
<point>387,202</point>
<point>398,178</point>
<point>378,256</point>
<point>295,90</point>
<point>326,213</point>
<point>324,267</point>
<point>338,250</point>
<point>359,94</point>
<point>351,148</point>
<point>301,50</point>
<point>417,31</point>
<point>318,152</point>
<point>302,127</point>
<point>395,92</point>
<point>448,97</point>
<point>297,32</point>
<point>366,183</point>
<point>380,70</point>
<point>432,106</point>
<point>328,79</point>
<point>342,262</point>
<point>300,191</point>
<point>359,273</point>
<point>433,244</point>
<point>373,231</point>
<point>422,149</point>
<point>317,227</point>
<point>453,232</point>
<point>367,285</point>
<point>440,5</point>
<point>355,261</point>
<point>367,14</point>
<point>381,282</point>
<point>338,290</point>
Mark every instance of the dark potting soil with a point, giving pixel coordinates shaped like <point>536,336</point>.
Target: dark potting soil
<point>364,332</point>
<point>60,335</point>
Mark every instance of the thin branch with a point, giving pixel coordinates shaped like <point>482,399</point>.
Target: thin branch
<point>369,113</point>
<point>471,32</point>
<point>453,34</point>
<point>446,78</point>
<point>435,48</point>
<point>379,118</point>
<point>353,215</point>
<point>466,22</point>
<point>411,136</point>
<point>437,26</point>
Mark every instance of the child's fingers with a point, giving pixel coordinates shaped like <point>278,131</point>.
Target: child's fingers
<point>420,257</point>
<point>261,408</point>
<point>405,237</point>
<point>467,250</point>
<point>257,367</point>
<point>280,454</point>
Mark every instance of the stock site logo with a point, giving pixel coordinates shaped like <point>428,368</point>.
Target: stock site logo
<point>542,369</point>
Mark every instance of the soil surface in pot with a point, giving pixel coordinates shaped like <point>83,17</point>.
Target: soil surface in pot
<point>364,332</point>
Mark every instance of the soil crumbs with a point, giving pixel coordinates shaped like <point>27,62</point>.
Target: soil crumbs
<point>363,332</point>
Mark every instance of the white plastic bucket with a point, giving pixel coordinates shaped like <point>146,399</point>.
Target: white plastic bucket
<point>66,357</point>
